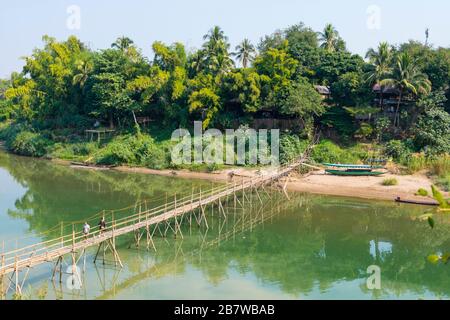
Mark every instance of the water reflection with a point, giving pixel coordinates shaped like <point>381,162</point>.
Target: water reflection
<point>310,247</point>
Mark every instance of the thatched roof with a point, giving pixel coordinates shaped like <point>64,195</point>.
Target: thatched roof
<point>324,90</point>
<point>386,89</point>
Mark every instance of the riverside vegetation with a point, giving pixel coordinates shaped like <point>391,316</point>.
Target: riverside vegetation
<point>65,88</point>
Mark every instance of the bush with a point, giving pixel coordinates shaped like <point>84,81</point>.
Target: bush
<point>364,131</point>
<point>291,147</point>
<point>444,182</point>
<point>415,162</point>
<point>390,182</point>
<point>75,151</point>
<point>422,192</point>
<point>327,151</point>
<point>137,149</point>
<point>27,143</point>
<point>440,166</point>
<point>397,150</point>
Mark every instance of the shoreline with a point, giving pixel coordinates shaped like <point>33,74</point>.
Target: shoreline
<point>316,182</point>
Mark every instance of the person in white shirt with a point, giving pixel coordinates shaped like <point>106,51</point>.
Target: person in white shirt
<point>86,229</point>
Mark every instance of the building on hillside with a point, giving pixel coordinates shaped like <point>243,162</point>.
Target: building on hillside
<point>324,91</point>
<point>390,97</point>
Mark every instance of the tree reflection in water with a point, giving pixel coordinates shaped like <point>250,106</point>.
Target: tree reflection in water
<point>313,245</point>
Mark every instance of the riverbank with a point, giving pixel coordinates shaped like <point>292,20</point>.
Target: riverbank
<point>317,182</point>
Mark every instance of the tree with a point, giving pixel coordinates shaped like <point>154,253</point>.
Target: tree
<point>84,69</point>
<point>245,52</point>
<point>44,90</point>
<point>351,90</point>
<point>204,98</point>
<point>381,60</point>
<point>244,87</point>
<point>331,65</point>
<point>207,101</point>
<point>216,56</point>
<point>301,100</point>
<point>277,65</point>
<point>407,78</point>
<point>122,43</point>
<point>330,39</point>
<point>108,93</point>
<point>169,57</point>
<point>432,128</point>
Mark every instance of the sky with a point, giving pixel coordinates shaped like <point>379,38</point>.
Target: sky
<point>362,23</point>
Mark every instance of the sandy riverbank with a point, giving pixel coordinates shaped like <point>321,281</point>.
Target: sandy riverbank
<point>318,182</point>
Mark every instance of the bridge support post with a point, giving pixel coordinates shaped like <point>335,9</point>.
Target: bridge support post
<point>105,245</point>
<point>73,254</point>
<point>111,245</point>
<point>149,238</point>
<point>58,265</point>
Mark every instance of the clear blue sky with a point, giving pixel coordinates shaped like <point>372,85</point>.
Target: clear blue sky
<point>23,22</point>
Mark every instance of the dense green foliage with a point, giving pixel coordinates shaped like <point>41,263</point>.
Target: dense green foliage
<point>65,88</point>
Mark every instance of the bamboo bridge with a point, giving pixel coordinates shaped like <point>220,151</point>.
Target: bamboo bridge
<point>146,222</point>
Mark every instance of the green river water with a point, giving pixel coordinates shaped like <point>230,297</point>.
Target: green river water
<point>311,247</point>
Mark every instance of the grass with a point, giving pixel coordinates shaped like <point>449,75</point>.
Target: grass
<point>390,182</point>
<point>438,167</point>
<point>422,192</point>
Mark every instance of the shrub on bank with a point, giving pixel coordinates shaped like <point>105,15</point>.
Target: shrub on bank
<point>422,192</point>
<point>390,182</point>
<point>291,147</point>
<point>27,143</point>
<point>327,151</point>
<point>130,149</point>
<point>74,151</point>
<point>397,150</point>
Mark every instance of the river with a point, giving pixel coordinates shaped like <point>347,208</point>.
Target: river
<point>310,247</point>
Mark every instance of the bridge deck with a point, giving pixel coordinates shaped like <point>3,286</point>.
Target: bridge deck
<point>50,250</point>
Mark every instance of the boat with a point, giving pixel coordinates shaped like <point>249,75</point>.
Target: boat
<point>420,202</point>
<point>352,166</point>
<point>354,172</point>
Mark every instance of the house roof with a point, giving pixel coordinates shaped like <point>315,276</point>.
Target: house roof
<point>386,89</point>
<point>325,90</point>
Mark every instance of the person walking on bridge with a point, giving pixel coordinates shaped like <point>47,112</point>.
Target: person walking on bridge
<point>102,225</point>
<point>86,230</point>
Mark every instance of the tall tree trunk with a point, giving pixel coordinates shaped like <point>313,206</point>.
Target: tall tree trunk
<point>135,121</point>
<point>381,98</point>
<point>111,121</point>
<point>397,121</point>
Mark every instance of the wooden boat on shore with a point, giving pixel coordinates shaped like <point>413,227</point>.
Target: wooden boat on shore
<point>354,172</point>
<point>419,202</point>
<point>352,169</point>
<point>90,166</point>
<point>352,166</point>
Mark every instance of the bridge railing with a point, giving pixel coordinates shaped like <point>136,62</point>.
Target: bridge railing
<point>10,258</point>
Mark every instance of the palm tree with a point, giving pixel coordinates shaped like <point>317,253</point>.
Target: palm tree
<point>84,69</point>
<point>123,44</point>
<point>245,52</point>
<point>406,77</point>
<point>215,35</point>
<point>381,61</point>
<point>196,62</point>
<point>217,58</point>
<point>221,62</point>
<point>329,38</point>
